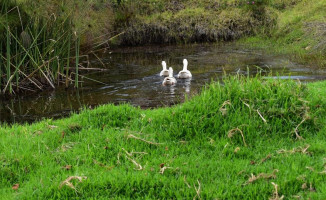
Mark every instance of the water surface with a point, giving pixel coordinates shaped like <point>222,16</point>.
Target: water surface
<point>132,76</point>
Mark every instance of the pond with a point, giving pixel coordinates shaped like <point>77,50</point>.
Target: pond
<point>132,75</point>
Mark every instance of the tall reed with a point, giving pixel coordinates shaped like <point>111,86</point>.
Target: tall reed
<point>36,51</point>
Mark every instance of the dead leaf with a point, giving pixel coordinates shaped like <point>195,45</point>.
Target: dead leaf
<point>137,138</point>
<point>311,189</point>
<point>69,184</point>
<point>197,190</point>
<point>310,168</point>
<point>103,127</point>
<point>275,194</point>
<point>234,131</point>
<point>298,137</point>
<point>103,165</point>
<point>303,150</point>
<point>67,167</point>
<point>62,134</point>
<point>15,187</point>
<point>266,158</point>
<point>223,108</point>
<point>297,196</point>
<point>52,127</point>
<point>39,132</point>
<point>135,163</point>
<point>236,150</point>
<point>240,172</point>
<point>163,169</point>
<point>254,178</point>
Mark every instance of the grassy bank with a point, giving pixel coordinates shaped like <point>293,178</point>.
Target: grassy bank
<point>299,32</point>
<point>230,142</point>
<point>160,21</point>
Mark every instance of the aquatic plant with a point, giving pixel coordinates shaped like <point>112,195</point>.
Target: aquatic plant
<point>35,53</point>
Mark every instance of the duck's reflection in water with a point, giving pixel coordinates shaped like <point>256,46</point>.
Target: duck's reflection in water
<point>172,90</point>
<point>187,85</point>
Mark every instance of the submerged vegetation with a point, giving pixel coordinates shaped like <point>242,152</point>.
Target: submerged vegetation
<point>236,141</point>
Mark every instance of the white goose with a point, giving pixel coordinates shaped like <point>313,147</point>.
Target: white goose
<point>185,73</point>
<point>170,80</point>
<point>164,72</point>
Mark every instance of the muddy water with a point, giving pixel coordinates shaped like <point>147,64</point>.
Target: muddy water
<point>132,76</point>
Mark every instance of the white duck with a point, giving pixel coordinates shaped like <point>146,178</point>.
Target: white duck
<point>185,73</point>
<point>164,72</point>
<point>170,80</point>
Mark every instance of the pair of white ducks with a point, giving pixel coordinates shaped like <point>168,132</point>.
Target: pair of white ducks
<point>170,80</point>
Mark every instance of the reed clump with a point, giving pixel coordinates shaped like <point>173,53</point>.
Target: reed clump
<point>40,42</point>
<point>33,50</point>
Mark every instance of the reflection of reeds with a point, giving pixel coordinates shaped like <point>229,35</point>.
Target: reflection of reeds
<point>35,54</point>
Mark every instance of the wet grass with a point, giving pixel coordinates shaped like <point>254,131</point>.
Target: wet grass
<point>231,142</point>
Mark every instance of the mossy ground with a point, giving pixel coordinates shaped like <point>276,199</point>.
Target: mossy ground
<point>199,142</point>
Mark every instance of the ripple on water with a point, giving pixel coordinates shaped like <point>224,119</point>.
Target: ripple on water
<point>133,77</point>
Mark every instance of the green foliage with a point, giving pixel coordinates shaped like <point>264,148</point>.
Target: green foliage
<point>298,32</point>
<point>195,146</point>
<point>93,20</point>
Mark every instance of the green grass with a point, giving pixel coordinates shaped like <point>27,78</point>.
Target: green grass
<point>194,145</point>
<point>200,140</point>
<point>299,32</point>
<point>156,22</point>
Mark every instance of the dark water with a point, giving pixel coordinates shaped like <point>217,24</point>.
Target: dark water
<point>133,76</point>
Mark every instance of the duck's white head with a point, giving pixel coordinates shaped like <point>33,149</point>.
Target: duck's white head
<point>185,64</point>
<point>170,72</point>
<point>164,65</point>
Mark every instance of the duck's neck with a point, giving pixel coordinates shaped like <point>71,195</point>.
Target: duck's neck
<point>184,67</point>
<point>164,66</point>
<point>170,73</point>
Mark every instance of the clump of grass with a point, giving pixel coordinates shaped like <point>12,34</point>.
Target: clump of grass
<point>35,52</point>
<point>74,127</point>
<point>183,151</point>
<point>184,22</point>
<point>40,38</point>
<point>299,32</point>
